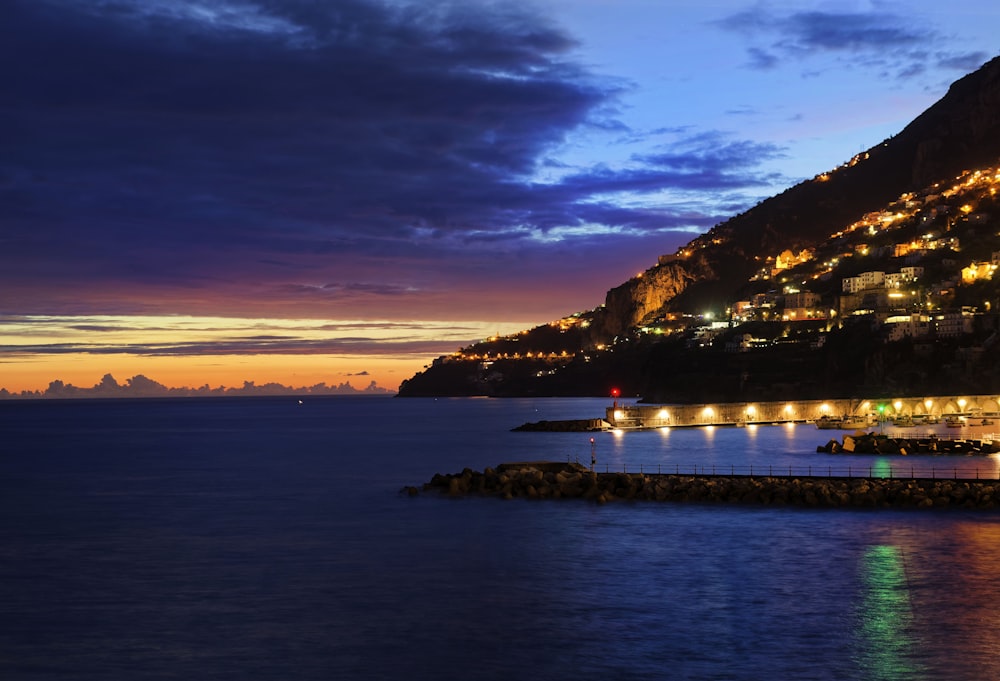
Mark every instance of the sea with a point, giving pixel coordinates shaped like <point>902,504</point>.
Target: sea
<point>268,538</point>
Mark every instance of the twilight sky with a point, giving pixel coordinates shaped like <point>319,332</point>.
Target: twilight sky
<point>309,190</point>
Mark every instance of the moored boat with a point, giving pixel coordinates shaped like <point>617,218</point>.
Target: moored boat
<point>828,423</point>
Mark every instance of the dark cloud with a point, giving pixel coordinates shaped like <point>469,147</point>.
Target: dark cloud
<point>289,345</point>
<point>762,59</point>
<point>894,44</point>
<point>336,150</point>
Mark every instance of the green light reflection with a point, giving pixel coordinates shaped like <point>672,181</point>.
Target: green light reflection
<point>881,469</point>
<point>887,645</point>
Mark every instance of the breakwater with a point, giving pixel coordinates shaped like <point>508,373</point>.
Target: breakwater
<point>870,410</point>
<point>871,443</point>
<point>565,426</point>
<point>556,480</point>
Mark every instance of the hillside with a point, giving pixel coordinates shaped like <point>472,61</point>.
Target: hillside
<point>921,200</point>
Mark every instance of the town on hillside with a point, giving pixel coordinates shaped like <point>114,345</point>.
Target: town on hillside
<point>905,298</point>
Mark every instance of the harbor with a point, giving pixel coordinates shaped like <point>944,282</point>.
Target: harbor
<point>927,413</point>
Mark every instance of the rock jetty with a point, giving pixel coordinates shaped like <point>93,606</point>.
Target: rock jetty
<point>871,443</point>
<point>564,426</point>
<point>555,480</point>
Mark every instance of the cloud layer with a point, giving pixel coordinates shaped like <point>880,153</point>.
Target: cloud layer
<point>189,156</point>
<point>898,45</point>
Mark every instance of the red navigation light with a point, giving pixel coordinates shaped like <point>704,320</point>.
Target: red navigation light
<point>615,392</point>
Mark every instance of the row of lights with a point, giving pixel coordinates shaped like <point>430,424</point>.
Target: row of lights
<point>789,409</point>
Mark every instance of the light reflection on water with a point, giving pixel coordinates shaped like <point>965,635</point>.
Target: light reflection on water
<point>887,645</point>
<point>258,540</point>
<point>768,447</point>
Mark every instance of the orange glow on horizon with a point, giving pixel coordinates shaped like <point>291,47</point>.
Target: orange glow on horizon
<point>230,371</point>
<point>191,352</point>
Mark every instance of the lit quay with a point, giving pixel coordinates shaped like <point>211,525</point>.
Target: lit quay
<point>914,410</point>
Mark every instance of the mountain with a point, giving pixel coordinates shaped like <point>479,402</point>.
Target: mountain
<point>819,229</point>
<point>960,131</point>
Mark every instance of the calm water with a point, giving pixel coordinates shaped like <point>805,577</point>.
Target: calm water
<point>266,539</point>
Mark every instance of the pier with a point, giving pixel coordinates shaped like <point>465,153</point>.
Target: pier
<point>914,410</point>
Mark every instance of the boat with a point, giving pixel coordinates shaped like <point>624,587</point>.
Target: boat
<point>854,422</point>
<point>954,421</point>
<point>842,423</point>
<point>828,423</point>
<point>903,422</point>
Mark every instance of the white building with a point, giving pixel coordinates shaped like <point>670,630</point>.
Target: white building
<point>863,282</point>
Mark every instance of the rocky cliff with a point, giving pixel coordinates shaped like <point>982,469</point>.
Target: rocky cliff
<point>640,299</point>
<point>960,131</point>
<point>590,352</point>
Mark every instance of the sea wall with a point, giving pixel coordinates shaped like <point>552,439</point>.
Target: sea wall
<point>632,416</point>
<point>553,480</point>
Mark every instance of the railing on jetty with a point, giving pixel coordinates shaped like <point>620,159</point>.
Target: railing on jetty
<point>959,436</point>
<point>851,471</point>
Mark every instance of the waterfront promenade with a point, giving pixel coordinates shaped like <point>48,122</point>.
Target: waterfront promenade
<point>970,408</point>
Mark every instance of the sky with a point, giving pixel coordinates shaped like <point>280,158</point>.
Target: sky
<point>302,191</point>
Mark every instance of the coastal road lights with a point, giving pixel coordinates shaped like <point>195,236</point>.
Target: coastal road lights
<point>961,404</point>
<point>751,412</point>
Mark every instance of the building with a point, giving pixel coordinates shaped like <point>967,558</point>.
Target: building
<point>978,271</point>
<point>908,326</point>
<point>863,282</point>
<point>952,324</point>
